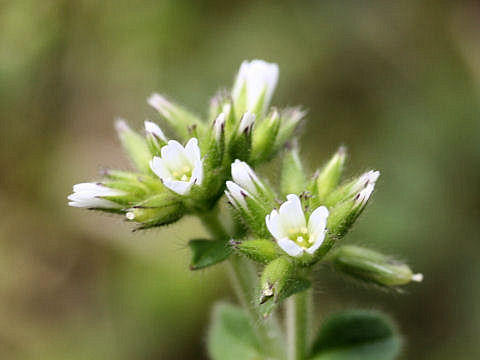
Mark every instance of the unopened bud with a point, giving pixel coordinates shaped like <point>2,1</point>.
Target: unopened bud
<point>156,139</point>
<point>329,177</point>
<point>373,267</point>
<point>352,188</point>
<point>180,119</point>
<point>290,119</point>
<point>293,175</point>
<point>134,145</point>
<point>251,209</point>
<point>254,86</point>
<point>274,278</point>
<point>263,141</point>
<point>158,210</point>
<point>259,250</point>
<point>241,141</point>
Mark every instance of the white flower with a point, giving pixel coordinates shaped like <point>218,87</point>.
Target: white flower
<point>258,77</point>
<point>236,195</point>
<point>289,227</point>
<point>246,122</point>
<point>154,129</point>
<point>90,195</point>
<point>179,167</point>
<point>244,176</point>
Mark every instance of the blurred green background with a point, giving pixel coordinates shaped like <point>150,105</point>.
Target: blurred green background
<point>398,82</point>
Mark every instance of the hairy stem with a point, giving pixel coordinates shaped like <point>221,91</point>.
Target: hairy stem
<point>298,309</point>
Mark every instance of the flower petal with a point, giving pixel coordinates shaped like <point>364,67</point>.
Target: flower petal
<point>275,226</point>
<point>174,156</point>
<point>180,187</point>
<point>197,172</point>
<point>192,150</point>
<point>290,247</point>
<point>318,221</point>
<point>291,213</point>
<point>158,167</point>
<point>318,241</point>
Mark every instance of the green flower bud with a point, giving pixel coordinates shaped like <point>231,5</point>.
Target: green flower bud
<point>344,215</point>
<point>264,138</point>
<point>241,141</point>
<point>180,119</point>
<point>259,250</point>
<point>216,147</point>
<point>134,145</point>
<point>372,267</point>
<point>290,119</point>
<point>352,188</point>
<point>293,176</point>
<point>138,184</point>
<point>251,209</point>
<point>161,209</point>
<point>156,139</point>
<point>329,177</point>
<point>274,278</point>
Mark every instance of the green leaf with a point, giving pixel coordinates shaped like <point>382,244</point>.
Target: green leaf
<point>357,335</point>
<point>231,336</point>
<point>208,252</point>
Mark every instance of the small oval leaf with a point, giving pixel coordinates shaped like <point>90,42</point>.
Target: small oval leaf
<point>357,335</point>
<point>208,252</point>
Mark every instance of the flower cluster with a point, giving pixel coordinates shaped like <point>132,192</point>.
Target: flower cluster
<point>172,179</point>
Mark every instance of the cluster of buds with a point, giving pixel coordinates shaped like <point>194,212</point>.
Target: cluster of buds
<point>188,174</point>
<point>288,230</point>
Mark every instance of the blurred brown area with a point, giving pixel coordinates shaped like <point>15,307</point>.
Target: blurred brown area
<point>397,82</point>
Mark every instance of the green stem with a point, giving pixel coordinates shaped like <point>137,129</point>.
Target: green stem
<point>211,221</point>
<point>298,309</point>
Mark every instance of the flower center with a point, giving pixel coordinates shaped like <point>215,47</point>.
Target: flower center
<point>300,236</point>
<point>183,174</point>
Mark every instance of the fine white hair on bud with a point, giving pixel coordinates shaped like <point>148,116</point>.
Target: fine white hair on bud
<point>243,175</point>
<point>258,78</point>
<point>154,129</point>
<point>179,167</point>
<point>236,195</point>
<point>219,126</point>
<point>246,123</point>
<point>292,232</point>
<point>90,195</point>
